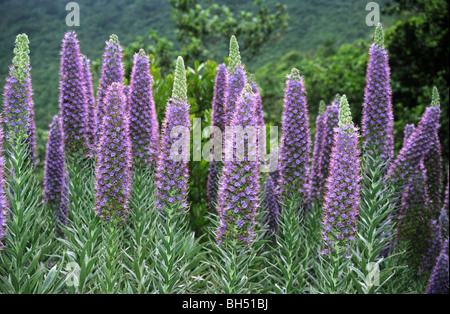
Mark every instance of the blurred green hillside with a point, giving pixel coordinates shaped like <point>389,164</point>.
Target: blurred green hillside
<point>312,23</point>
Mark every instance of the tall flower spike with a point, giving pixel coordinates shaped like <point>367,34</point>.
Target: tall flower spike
<point>179,91</point>
<point>72,96</point>
<point>91,128</point>
<point>172,172</point>
<point>434,246</point>
<point>144,129</point>
<point>18,101</point>
<point>56,193</point>
<point>295,143</point>
<point>239,188</point>
<point>415,215</point>
<point>112,71</point>
<point>343,187</point>
<point>378,118</point>
<point>417,146</point>
<point>317,182</point>
<point>331,120</point>
<point>112,175</point>
<point>3,199</point>
<point>438,283</point>
<point>219,106</point>
<point>234,58</point>
<point>407,132</point>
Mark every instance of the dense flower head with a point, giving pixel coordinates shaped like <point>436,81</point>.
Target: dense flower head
<point>144,129</point>
<point>417,146</point>
<point>434,169</point>
<point>3,199</point>
<point>439,279</point>
<point>179,90</point>
<point>239,188</point>
<point>378,119</point>
<point>316,181</point>
<point>330,121</point>
<point>219,106</point>
<point>112,71</point>
<point>415,215</point>
<point>72,98</point>
<point>270,207</point>
<point>295,143</point>
<point>172,172</point>
<point>234,58</point>
<point>18,102</point>
<point>434,245</point>
<point>343,187</point>
<point>55,175</point>
<point>91,126</point>
<point>407,132</point>
<point>112,175</point>
<point>237,81</point>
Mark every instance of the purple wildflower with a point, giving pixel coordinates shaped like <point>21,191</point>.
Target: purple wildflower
<point>342,196</point>
<point>144,130</point>
<point>433,166</point>
<point>55,176</point>
<point>238,195</point>
<point>172,172</point>
<point>438,283</point>
<point>316,181</point>
<point>113,176</point>
<point>18,102</point>
<point>295,143</point>
<point>72,98</point>
<point>218,120</point>
<point>91,127</point>
<point>434,245</point>
<point>237,82</point>
<point>378,119</point>
<point>112,71</point>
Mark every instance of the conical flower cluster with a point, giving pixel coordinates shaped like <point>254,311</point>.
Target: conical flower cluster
<point>239,188</point>
<point>343,187</point>
<point>295,143</point>
<point>219,106</point>
<point>317,182</point>
<point>378,118</point>
<point>144,130</point>
<point>172,171</point>
<point>438,283</point>
<point>72,98</point>
<point>18,101</point>
<point>113,176</point>
<point>112,71</point>
<point>91,125</point>
<point>56,193</point>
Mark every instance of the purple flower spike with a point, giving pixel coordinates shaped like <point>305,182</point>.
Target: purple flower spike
<point>343,186</point>
<point>434,168</point>
<point>113,176</point>
<point>438,283</point>
<point>407,132</point>
<point>56,193</point>
<point>239,188</point>
<point>3,199</point>
<point>112,71</point>
<point>295,143</point>
<point>144,130</point>
<point>18,102</point>
<point>411,156</point>
<point>73,103</point>
<point>378,118</point>
<point>219,106</point>
<point>317,181</point>
<point>91,128</point>
<point>270,207</point>
<point>237,82</point>
<point>330,120</point>
<point>434,245</point>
